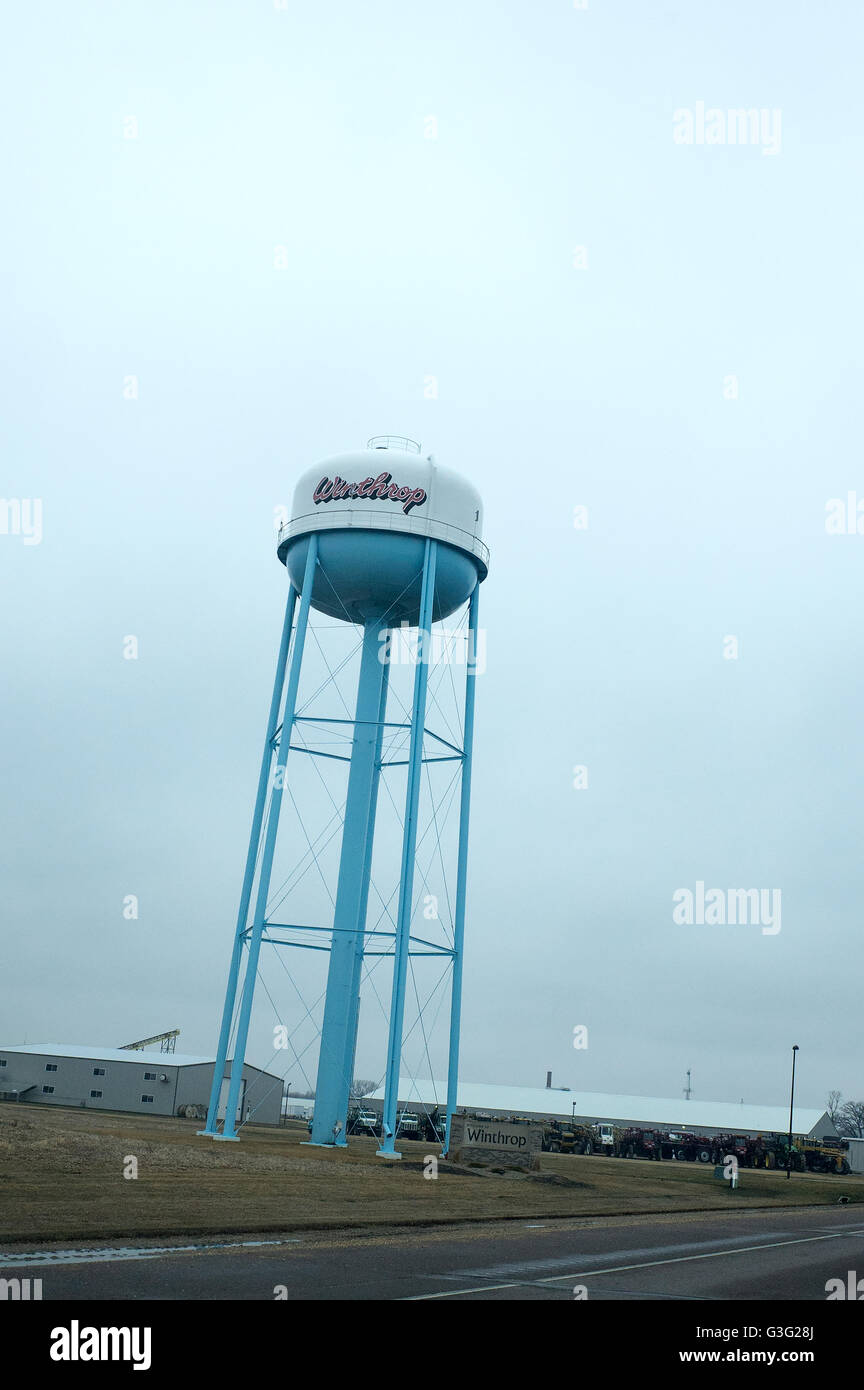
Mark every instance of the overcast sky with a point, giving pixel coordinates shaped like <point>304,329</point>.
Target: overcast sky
<point>240,237</point>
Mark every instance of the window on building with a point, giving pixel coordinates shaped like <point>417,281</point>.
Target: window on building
<point>47,1090</point>
<point>2,1061</point>
<point>147,1099</point>
<point>50,1066</point>
<point>98,1071</point>
<point>149,1076</point>
<point>95,1095</point>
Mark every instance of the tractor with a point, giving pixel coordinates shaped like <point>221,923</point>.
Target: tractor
<point>683,1146</point>
<point>435,1125</point>
<point>561,1138</point>
<point>640,1143</point>
<point>825,1155</point>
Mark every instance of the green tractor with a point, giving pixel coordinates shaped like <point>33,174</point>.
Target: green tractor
<point>778,1151</point>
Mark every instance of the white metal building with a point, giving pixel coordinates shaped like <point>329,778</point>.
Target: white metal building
<point>112,1078</point>
<point>647,1112</point>
<point>298,1109</point>
<point>855,1155</point>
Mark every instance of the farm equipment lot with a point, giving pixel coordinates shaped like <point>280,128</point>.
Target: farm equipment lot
<point>62,1178</point>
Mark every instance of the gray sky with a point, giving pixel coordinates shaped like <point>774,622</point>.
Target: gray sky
<point>425,177</point>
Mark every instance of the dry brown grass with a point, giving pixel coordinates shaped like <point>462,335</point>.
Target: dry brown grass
<point>61,1178</point>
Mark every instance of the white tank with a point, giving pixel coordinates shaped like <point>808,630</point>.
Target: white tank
<point>373,511</point>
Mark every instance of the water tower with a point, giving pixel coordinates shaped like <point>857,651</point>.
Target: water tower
<point>381,539</point>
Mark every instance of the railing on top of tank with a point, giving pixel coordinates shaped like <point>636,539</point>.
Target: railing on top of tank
<point>393,441</point>
<point>466,540</point>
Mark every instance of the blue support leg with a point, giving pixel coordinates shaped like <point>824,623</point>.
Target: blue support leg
<point>387,1148</point>
<point>249,874</point>
<point>360,939</point>
<point>462,869</point>
<point>228,1128</point>
<point>339,1028</point>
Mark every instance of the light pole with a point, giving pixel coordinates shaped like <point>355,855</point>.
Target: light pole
<point>791,1105</point>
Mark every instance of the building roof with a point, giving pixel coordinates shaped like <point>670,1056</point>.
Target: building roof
<point>596,1105</point>
<point>114,1054</point>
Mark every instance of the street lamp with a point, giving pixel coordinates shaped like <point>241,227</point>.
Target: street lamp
<point>791,1104</point>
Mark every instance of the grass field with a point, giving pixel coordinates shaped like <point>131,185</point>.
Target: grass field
<point>62,1178</point>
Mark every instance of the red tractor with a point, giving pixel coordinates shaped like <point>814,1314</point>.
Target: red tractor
<point>687,1147</point>
<point>750,1152</point>
<point>640,1143</point>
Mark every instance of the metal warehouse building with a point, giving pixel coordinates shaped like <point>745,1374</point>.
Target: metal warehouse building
<point>108,1078</point>
<point>708,1117</point>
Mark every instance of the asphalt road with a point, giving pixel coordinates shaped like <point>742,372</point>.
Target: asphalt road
<point>762,1256</point>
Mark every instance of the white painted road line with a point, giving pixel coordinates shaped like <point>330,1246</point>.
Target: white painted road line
<point>529,1269</point>
<point>620,1269</point>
